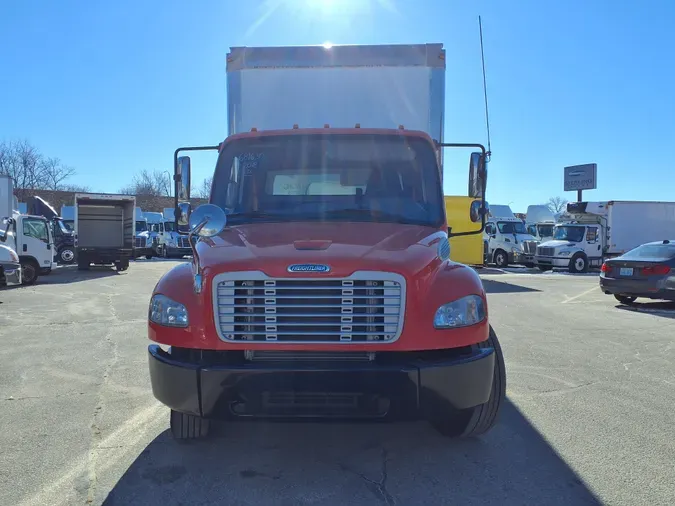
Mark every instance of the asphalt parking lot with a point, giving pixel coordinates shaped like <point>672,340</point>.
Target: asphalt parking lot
<point>589,418</point>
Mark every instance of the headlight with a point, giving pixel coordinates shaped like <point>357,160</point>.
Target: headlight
<point>515,250</point>
<point>466,311</point>
<point>13,256</point>
<point>564,253</point>
<point>165,311</point>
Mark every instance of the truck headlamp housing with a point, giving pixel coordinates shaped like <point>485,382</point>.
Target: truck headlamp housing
<point>167,312</point>
<point>564,253</point>
<point>463,312</point>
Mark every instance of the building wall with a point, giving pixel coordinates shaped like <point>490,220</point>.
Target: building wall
<point>60,198</point>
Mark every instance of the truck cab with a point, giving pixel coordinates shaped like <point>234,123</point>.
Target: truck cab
<point>539,221</point>
<point>64,237</point>
<point>30,237</point>
<point>143,246</point>
<point>579,240</point>
<point>176,244</point>
<point>507,240</point>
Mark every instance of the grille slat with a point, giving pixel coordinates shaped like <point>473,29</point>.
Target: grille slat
<point>530,247</point>
<point>321,310</point>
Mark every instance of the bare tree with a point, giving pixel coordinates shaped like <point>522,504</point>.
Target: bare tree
<point>30,170</point>
<point>557,205</point>
<point>157,184</point>
<point>54,173</point>
<point>203,191</point>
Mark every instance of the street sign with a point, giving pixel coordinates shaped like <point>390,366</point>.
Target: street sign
<point>581,177</point>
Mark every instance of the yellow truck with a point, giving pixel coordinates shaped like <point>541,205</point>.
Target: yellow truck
<point>466,249</point>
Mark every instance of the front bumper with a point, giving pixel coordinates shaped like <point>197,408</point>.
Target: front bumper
<point>173,251</point>
<point>141,252</point>
<point>659,289</point>
<point>11,273</point>
<point>408,387</point>
<point>561,262</point>
<point>520,258</point>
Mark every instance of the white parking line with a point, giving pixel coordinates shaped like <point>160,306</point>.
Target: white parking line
<point>570,299</point>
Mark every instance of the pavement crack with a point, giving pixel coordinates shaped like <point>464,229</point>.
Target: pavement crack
<point>377,488</point>
<point>96,438</point>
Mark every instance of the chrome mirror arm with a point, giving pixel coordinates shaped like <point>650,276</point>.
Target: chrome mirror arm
<point>193,237</point>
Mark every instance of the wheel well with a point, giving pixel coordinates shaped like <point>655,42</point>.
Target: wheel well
<point>26,258</point>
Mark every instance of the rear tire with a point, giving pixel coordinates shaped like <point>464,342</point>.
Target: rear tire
<point>625,299</point>
<point>480,419</point>
<point>148,257</point>
<point>184,426</point>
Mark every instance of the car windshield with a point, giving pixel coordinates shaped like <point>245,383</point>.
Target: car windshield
<point>545,230</point>
<point>511,227</point>
<point>141,226</point>
<point>652,251</point>
<point>169,226</point>
<point>569,233</point>
<point>376,178</point>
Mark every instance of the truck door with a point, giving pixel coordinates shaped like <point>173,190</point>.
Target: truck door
<point>593,246</point>
<point>36,241</point>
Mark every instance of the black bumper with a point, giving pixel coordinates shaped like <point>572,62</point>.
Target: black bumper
<point>141,252</point>
<point>337,390</point>
<point>637,288</point>
<point>103,255</point>
<point>178,252</point>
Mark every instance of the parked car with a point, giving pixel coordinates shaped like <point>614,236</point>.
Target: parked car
<point>646,271</point>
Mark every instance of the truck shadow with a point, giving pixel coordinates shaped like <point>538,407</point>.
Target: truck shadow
<point>663,309</point>
<point>70,274</point>
<point>492,286</point>
<point>401,463</point>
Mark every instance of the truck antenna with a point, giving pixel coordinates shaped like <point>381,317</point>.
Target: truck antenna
<point>487,117</point>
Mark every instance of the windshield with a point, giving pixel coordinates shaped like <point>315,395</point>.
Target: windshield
<point>69,224</point>
<point>569,233</point>
<point>652,251</point>
<point>374,178</point>
<point>141,226</point>
<point>545,230</point>
<point>511,227</point>
<point>169,226</point>
<point>62,226</point>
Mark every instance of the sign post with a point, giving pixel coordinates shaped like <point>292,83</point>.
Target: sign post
<point>581,177</point>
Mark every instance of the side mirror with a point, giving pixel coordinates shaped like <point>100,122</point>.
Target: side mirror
<point>183,212</point>
<point>182,171</point>
<point>207,220</point>
<point>477,175</point>
<point>477,211</point>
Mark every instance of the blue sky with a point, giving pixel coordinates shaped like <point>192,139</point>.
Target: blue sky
<point>112,88</point>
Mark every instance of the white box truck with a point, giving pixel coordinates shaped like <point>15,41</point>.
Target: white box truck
<point>594,231</point>
<point>104,229</point>
<point>30,237</point>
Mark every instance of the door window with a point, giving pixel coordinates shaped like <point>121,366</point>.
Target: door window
<point>592,234</point>
<point>36,228</point>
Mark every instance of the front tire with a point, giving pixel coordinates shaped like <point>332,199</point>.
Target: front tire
<point>479,419</point>
<point>579,264</point>
<point>625,299</point>
<point>66,256</point>
<point>29,272</point>
<point>184,426</point>
<point>501,259</point>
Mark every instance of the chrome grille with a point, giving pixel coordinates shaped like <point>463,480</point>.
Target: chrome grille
<point>530,247</point>
<point>365,308</point>
<point>183,241</point>
<point>545,251</point>
<point>140,242</point>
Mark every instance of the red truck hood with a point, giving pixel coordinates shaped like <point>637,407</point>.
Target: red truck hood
<point>345,247</point>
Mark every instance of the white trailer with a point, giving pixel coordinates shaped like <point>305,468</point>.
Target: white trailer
<point>105,229</point>
<point>595,231</point>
